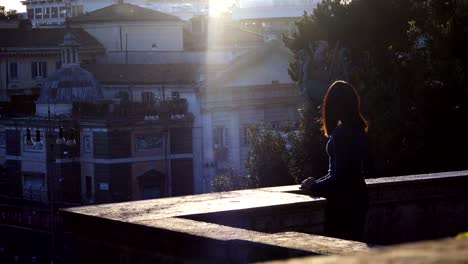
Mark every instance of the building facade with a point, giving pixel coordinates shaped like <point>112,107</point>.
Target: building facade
<point>256,89</point>
<point>52,13</point>
<point>116,150</point>
<point>230,82</point>
<point>29,56</point>
<point>271,18</point>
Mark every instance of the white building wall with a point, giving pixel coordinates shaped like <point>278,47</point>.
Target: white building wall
<point>137,37</point>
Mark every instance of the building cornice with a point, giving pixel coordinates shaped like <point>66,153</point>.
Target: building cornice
<point>42,50</point>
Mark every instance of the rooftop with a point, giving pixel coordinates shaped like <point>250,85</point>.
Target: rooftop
<point>145,73</point>
<point>44,38</point>
<point>124,13</point>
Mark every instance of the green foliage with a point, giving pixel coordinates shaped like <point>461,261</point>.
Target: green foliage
<point>462,235</point>
<point>409,61</point>
<point>8,15</point>
<point>268,157</point>
<point>230,181</point>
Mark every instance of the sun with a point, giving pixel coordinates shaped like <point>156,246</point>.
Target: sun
<point>217,7</point>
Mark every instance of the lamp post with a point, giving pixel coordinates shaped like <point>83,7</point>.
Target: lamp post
<point>50,161</point>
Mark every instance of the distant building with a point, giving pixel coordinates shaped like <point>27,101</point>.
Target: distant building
<point>52,13</point>
<point>109,150</point>
<point>221,77</point>
<point>125,27</point>
<point>271,18</point>
<point>255,89</point>
<point>29,56</point>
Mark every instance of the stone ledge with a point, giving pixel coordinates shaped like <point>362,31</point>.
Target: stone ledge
<point>440,251</point>
<point>268,223</point>
<point>195,205</point>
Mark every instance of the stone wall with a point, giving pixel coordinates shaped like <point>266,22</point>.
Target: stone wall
<point>417,207</point>
<point>265,224</point>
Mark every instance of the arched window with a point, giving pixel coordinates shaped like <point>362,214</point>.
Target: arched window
<point>123,96</point>
<point>74,55</point>
<point>68,57</point>
<point>147,97</point>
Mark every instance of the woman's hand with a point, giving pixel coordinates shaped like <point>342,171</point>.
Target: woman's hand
<point>307,183</point>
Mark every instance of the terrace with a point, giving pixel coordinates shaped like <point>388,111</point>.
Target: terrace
<point>272,224</point>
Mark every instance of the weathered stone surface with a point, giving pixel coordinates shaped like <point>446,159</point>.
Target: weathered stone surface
<point>195,205</point>
<point>269,223</point>
<point>441,251</point>
<point>212,227</point>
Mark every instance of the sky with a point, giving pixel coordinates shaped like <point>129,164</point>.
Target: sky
<point>13,4</point>
<point>219,6</point>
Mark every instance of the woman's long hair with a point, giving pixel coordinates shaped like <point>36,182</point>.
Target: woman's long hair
<point>341,105</point>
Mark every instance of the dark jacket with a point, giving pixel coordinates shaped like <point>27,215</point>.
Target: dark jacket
<point>344,185</point>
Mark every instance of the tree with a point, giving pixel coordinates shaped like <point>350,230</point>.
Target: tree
<point>230,181</point>
<point>268,157</point>
<point>408,61</point>
<point>8,15</point>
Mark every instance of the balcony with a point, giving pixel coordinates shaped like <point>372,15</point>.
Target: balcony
<point>35,195</point>
<point>157,111</point>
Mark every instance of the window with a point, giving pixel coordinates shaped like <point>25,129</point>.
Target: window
<point>88,188</point>
<point>58,65</point>
<point>54,12</point>
<point>13,70</point>
<point>46,12</point>
<point>147,97</point>
<point>245,135</point>
<point>34,186</point>
<point>220,137</point>
<point>275,125</point>
<point>39,69</point>
<point>152,191</point>
<point>38,12</point>
<point>175,95</point>
<point>30,14</point>
<point>68,57</point>
<point>74,56</point>
<point>63,11</point>
<point>123,96</point>
<point>79,10</point>
<point>76,10</point>
<point>197,25</point>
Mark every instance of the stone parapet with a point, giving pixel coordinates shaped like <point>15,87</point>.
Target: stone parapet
<point>264,224</point>
<point>451,251</point>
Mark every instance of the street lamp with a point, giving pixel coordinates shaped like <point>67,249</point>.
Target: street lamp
<point>70,142</point>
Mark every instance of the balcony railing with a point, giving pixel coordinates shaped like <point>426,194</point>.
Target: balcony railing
<point>35,195</point>
<point>156,110</point>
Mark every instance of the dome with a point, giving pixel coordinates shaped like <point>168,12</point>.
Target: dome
<point>70,84</point>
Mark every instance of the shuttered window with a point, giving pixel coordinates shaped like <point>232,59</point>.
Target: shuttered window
<point>13,70</point>
<point>39,69</point>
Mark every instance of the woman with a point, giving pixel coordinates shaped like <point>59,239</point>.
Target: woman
<point>347,148</point>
